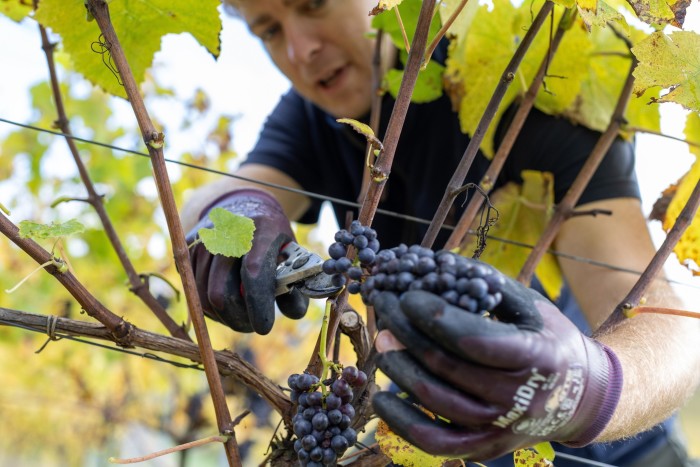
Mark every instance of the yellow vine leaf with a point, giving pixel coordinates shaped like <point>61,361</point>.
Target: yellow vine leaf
<point>16,10</point>
<point>402,452</point>
<point>601,15</point>
<point>688,248</point>
<point>670,61</point>
<point>140,26</point>
<point>661,11</point>
<point>524,212</point>
<point>363,129</point>
<point>537,456</point>
<point>477,62</point>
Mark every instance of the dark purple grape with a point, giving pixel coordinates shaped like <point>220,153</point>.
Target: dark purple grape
<point>335,416</point>
<point>356,228</point>
<point>339,444</point>
<point>337,250</point>
<point>366,255</point>
<point>351,435</point>
<point>316,454</point>
<point>348,409</point>
<point>343,264</point>
<point>338,280</point>
<point>340,387</point>
<point>354,287</point>
<point>329,457</point>
<point>355,273</point>
<point>302,428</point>
<point>478,288</point>
<point>349,374</point>
<point>360,242</point>
<point>314,399</point>
<point>308,442</point>
<point>329,266</point>
<point>320,421</point>
<point>332,401</point>
<point>361,379</point>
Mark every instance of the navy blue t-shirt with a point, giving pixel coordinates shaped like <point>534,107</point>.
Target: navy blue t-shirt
<point>328,158</point>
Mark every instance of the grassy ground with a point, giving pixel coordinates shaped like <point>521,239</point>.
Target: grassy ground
<point>690,419</point>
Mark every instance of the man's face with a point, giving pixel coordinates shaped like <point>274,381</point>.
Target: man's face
<point>321,46</point>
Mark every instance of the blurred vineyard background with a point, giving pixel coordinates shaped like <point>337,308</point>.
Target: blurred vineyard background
<point>74,404</point>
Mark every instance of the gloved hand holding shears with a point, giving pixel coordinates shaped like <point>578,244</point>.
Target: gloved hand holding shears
<point>241,292</point>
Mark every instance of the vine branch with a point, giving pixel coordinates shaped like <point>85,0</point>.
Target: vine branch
<point>228,363</point>
<point>120,329</point>
<point>138,286</point>
<point>635,295</point>
<point>465,163</point>
<point>459,234</point>
<point>563,210</point>
<point>100,11</point>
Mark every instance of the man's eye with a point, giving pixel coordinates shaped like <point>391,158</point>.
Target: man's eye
<point>269,33</point>
<point>313,5</point>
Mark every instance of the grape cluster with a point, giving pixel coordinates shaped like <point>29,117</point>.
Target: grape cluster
<point>364,239</point>
<point>464,282</point>
<point>322,421</point>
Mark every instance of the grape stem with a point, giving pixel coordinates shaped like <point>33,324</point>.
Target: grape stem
<point>326,364</point>
<point>58,263</point>
<point>658,310</point>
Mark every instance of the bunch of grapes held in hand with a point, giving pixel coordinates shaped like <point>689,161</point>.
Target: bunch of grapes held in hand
<point>467,283</point>
<point>322,421</point>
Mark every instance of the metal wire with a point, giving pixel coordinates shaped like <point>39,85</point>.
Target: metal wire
<point>352,204</point>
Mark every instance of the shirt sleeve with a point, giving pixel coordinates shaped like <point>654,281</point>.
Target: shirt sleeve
<point>284,143</point>
<point>552,144</point>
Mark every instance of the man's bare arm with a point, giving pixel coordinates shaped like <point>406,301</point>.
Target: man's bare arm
<point>294,204</point>
<point>659,354</point>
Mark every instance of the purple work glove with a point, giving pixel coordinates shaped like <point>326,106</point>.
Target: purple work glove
<point>240,292</point>
<point>527,377</point>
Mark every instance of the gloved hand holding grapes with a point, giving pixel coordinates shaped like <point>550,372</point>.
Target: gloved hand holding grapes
<point>522,376</point>
<point>240,292</point>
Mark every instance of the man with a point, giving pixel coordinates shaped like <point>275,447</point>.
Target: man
<point>506,384</point>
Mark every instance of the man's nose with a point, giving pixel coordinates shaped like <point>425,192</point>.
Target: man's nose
<point>302,43</point>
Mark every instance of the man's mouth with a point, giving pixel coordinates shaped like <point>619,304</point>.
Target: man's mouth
<point>330,79</point>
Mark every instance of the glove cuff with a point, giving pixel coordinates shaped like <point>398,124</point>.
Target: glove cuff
<point>602,393</point>
<point>245,199</point>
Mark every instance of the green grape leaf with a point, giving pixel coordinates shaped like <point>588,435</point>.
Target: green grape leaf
<point>16,10</point>
<point>670,61</point>
<point>688,247</point>
<point>402,452</point>
<point>428,85</point>
<point>661,11</point>
<point>524,211</point>
<point>140,26</point>
<point>36,231</point>
<point>232,235</point>
<point>410,10</point>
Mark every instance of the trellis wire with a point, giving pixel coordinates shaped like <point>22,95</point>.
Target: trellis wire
<point>352,204</point>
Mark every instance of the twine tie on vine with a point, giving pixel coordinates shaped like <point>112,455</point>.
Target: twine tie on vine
<point>51,322</point>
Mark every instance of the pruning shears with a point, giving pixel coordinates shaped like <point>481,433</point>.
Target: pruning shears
<point>302,270</point>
